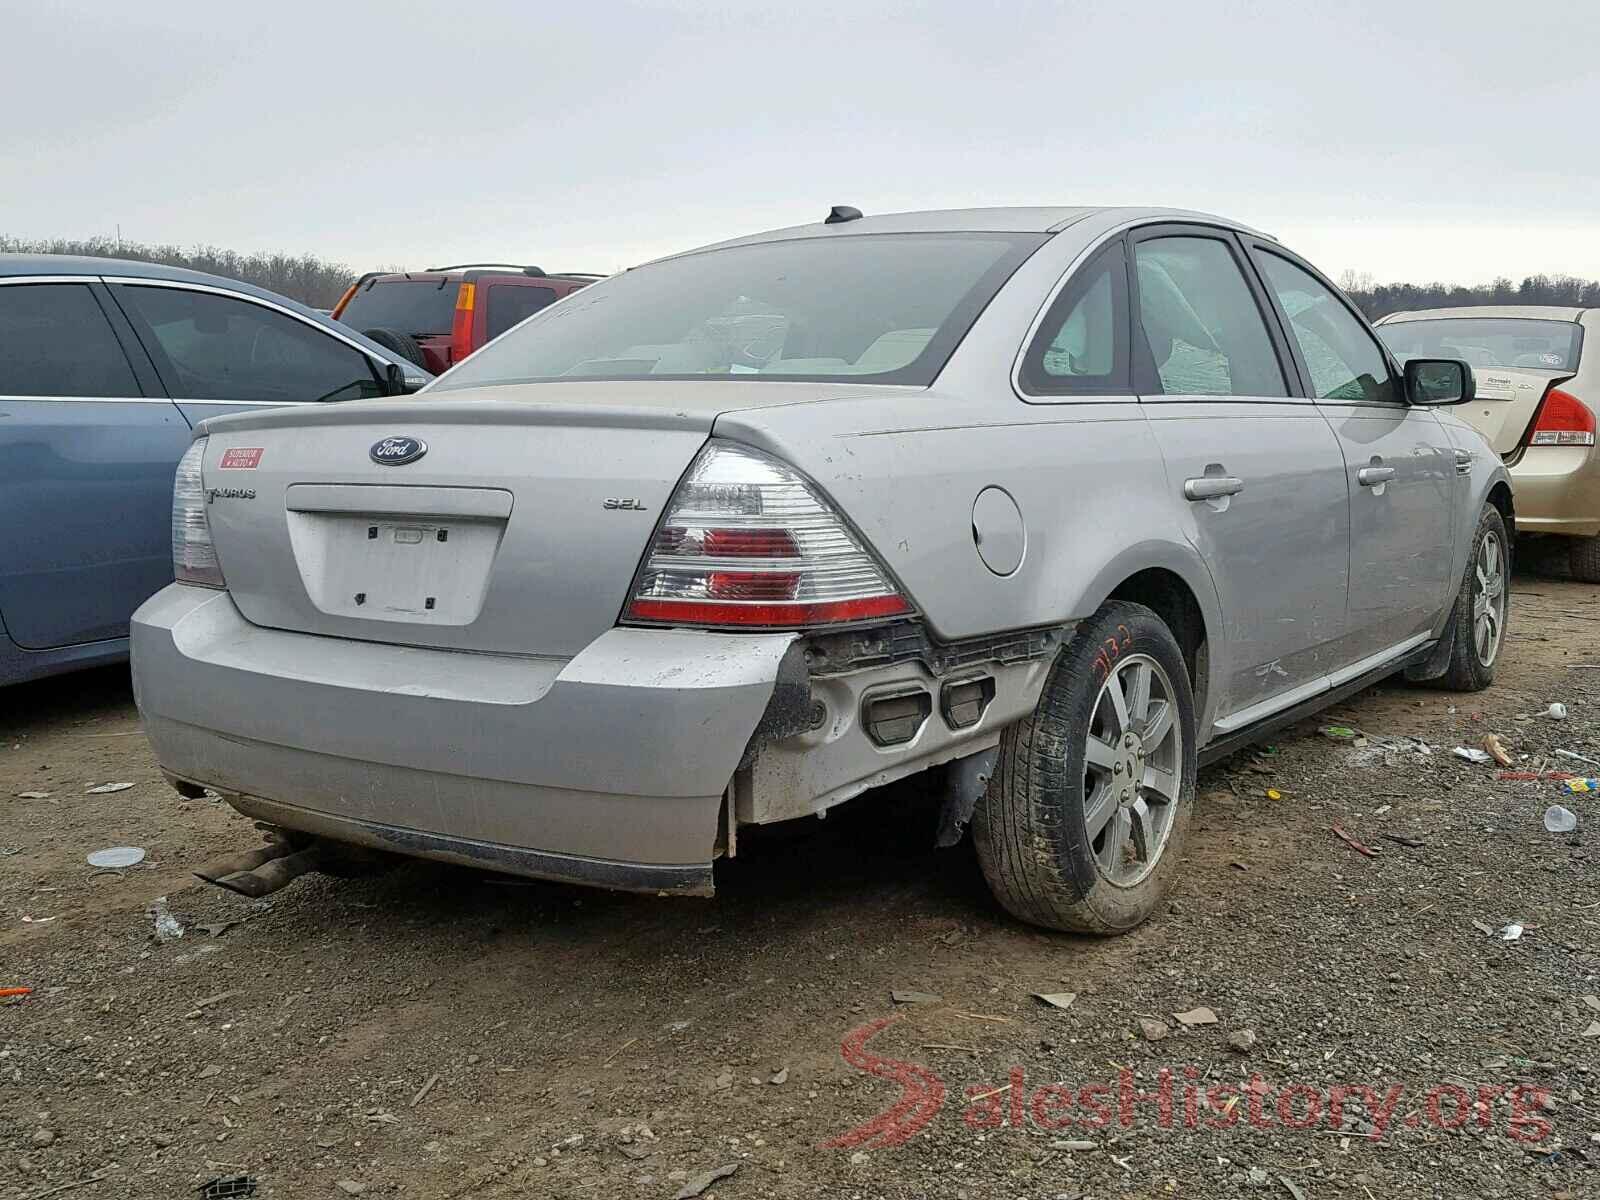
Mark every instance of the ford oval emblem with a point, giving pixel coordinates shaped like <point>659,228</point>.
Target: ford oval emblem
<point>397,451</point>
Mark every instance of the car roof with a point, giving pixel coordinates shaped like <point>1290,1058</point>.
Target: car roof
<point>1528,312</point>
<point>131,268</point>
<point>459,273</point>
<point>973,220</point>
<point>12,265</point>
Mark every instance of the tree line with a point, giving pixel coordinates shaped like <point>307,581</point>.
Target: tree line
<point>302,277</point>
<point>1381,299</point>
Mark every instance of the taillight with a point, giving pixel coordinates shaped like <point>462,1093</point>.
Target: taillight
<point>1563,420</point>
<point>748,541</point>
<point>194,558</point>
<point>461,325</point>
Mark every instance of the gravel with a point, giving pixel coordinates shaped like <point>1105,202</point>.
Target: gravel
<point>554,1024</point>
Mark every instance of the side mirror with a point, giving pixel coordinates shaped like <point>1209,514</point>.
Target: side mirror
<point>1435,381</point>
<point>397,383</point>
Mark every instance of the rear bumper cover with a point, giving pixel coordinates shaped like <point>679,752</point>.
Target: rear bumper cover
<point>1558,490</point>
<point>607,768</point>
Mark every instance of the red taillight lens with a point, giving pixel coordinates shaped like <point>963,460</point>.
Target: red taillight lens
<point>750,543</point>
<point>772,616</point>
<point>746,541</point>
<point>461,324</point>
<point>1563,420</point>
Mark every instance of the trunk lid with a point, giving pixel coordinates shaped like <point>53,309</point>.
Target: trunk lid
<point>1507,401</point>
<point>516,530</point>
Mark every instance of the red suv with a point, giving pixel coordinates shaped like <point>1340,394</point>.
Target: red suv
<point>437,317</point>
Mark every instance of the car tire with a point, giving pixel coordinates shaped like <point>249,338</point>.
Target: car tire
<point>1471,669</point>
<point>1584,559</point>
<point>1056,825</point>
<point>395,342</point>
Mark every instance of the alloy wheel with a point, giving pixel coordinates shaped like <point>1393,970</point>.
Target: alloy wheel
<point>1488,599</point>
<point>1133,769</point>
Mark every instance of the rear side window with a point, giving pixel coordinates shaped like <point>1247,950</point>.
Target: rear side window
<point>1344,360</point>
<point>1081,347</point>
<point>220,348</point>
<point>419,307</point>
<point>56,341</point>
<point>1201,321</point>
<point>512,303</point>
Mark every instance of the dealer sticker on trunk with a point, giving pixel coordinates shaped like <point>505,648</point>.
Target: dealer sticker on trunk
<point>241,458</point>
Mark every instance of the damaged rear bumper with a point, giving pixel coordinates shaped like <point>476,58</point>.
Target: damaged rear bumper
<point>608,768</point>
<point>629,766</point>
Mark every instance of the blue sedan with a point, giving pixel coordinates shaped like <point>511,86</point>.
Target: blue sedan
<point>105,367</point>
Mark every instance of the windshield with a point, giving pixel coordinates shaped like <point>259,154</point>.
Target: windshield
<point>419,307</point>
<point>1489,341</point>
<point>888,308</point>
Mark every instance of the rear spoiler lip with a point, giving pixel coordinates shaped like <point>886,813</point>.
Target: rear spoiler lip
<point>417,411</point>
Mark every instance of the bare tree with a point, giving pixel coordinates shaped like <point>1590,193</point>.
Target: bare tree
<point>1378,300</point>
<point>1353,281</point>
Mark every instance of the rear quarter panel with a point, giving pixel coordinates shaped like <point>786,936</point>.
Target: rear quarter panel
<point>1088,479</point>
<point>1487,471</point>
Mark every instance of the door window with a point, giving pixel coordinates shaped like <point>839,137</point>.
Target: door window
<point>1343,359</point>
<point>510,304</point>
<point>1082,344</point>
<point>56,341</point>
<point>1201,321</point>
<point>222,348</point>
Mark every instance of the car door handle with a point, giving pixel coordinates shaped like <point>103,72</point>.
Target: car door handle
<point>1211,487</point>
<point>1372,476</point>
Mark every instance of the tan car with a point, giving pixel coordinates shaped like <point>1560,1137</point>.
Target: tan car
<point>1536,399</point>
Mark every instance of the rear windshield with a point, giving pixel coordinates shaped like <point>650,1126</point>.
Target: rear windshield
<point>419,307</point>
<point>511,303</point>
<point>1489,341</point>
<point>882,307</point>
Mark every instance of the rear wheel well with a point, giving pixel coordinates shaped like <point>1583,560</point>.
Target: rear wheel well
<point>1500,497</point>
<point>1169,597</point>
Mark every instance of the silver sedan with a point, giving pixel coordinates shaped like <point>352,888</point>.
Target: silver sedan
<point>1048,505</point>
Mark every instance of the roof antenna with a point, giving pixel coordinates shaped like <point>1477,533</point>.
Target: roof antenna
<point>840,213</point>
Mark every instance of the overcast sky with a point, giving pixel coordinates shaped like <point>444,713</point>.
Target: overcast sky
<point>1451,141</point>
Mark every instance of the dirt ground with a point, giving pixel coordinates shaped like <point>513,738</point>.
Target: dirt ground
<point>434,1032</point>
